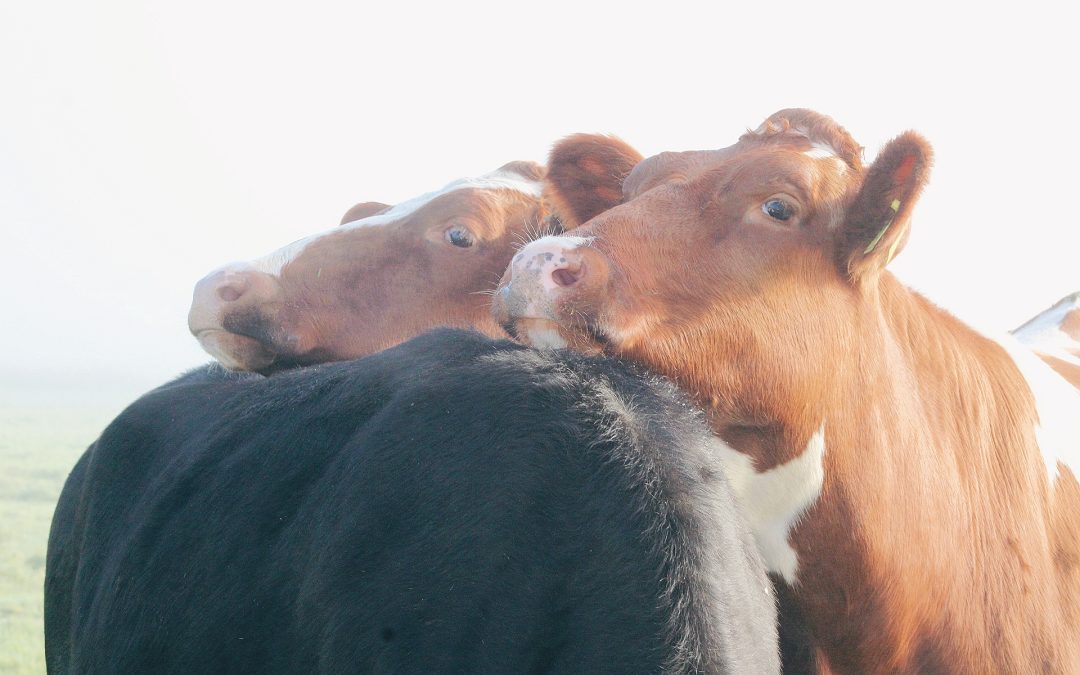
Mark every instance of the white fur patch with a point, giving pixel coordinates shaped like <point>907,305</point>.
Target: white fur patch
<point>542,337</point>
<point>552,242</point>
<point>825,152</point>
<point>1057,403</point>
<point>773,501</point>
<point>496,180</point>
<point>820,151</point>
<point>1044,334</point>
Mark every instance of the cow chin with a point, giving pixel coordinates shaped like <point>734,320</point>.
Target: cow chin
<point>548,334</point>
<point>236,352</point>
<point>532,318</point>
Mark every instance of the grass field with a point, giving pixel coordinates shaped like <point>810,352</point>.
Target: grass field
<point>43,431</point>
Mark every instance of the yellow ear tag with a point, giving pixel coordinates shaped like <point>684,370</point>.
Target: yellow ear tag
<point>895,206</point>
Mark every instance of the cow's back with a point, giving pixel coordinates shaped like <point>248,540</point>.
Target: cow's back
<point>452,504</point>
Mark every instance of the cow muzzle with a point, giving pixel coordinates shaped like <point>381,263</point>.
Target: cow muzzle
<point>219,300</point>
<point>543,296</point>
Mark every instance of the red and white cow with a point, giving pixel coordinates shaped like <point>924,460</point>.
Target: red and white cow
<point>385,275</point>
<point>912,481</point>
<point>1055,336</point>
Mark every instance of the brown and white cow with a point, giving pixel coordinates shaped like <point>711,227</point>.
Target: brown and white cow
<point>907,477</point>
<point>1055,336</point>
<point>384,275</point>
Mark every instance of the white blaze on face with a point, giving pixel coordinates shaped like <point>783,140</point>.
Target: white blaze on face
<point>820,151</point>
<point>773,501</point>
<point>1057,403</point>
<point>497,180</point>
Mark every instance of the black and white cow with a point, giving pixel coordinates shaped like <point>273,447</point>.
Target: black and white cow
<point>453,504</point>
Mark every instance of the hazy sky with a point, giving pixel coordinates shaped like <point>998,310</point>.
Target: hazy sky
<point>144,143</point>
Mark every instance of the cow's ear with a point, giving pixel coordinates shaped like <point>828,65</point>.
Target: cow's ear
<point>363,210</point>
<point>585,174</point>
<point>876,224</point>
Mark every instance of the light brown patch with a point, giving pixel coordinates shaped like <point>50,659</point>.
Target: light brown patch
<point>1069,371</point>
<point>1070,325</point>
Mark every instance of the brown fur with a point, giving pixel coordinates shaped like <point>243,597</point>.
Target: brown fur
<point>1071,325</point>
<point>355,291</point>
<point>1068,370</point>
<point>821,128</point>
<point>937,543</point>
<point>899,174</point>
<point>593,168</point>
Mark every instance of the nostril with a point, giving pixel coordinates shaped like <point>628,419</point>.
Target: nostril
<point>566,277</point>
<point>230,292</point>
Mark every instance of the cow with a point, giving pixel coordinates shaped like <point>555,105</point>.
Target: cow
<point>451,504</point>
<point>1055,336</point>
<point>910,482</point>
<point>384,275</point>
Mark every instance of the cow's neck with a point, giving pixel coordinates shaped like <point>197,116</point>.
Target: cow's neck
<point>877,474</point>
<point>938,499</point>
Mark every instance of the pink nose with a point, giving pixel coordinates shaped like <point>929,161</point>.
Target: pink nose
<point>544,276</point>
<point>225,290</point>
<point>227,286</point>
<point>551,262</point>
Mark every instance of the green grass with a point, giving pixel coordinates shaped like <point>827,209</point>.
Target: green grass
<point>41,438</point>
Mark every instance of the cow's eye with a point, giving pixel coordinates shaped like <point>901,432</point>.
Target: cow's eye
<point>459,236</point>
<point>778,209</point>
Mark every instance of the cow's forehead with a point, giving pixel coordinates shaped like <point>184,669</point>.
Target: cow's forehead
<point>800,158</point>
<point>668,165</point>
<point>496,180</point>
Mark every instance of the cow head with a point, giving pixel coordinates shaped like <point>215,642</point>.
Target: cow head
<point>384,275</point>
<point>724,269</point>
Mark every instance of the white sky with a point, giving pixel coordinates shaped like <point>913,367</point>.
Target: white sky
<point>144,143</point>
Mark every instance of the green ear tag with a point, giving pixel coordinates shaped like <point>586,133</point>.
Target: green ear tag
<point>895,206</point>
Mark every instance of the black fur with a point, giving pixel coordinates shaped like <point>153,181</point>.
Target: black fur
<point>452,504</point>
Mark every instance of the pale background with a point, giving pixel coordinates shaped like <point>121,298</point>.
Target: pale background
<point>144,143</point>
